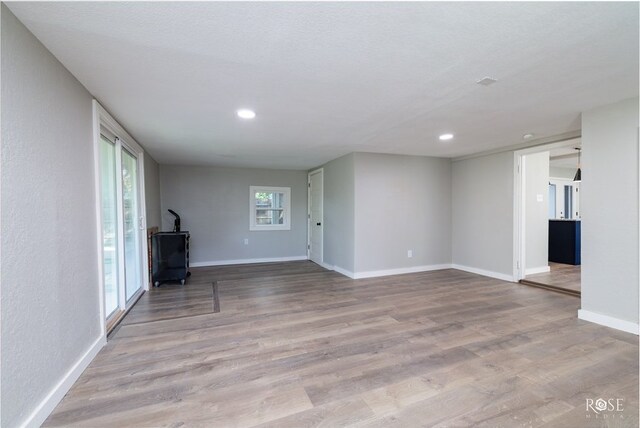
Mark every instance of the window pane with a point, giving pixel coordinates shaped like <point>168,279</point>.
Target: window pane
<point>132,257</point>
<point>109,224</point>
<point>263,216</point>
<point>270,216</point>
<point>568,209</point>
<point>279,200</point>
<point>264,200</point>
<point>552,201</point>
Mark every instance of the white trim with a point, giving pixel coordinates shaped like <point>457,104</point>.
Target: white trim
<point>98,200</point>
<point>247,261</point>
<point>608,321</point>
<point>106,120</point>
<point>142,218</point>
<point>321,172</point>
<point>519,256</point>
<point>120,232</point>
<point>344,272</point>
<point>519,253</point>
<point>400,271</point>
<point>324,265</point>
<point>57,393</point>
<point>490,274</point>
<point>541,269</point>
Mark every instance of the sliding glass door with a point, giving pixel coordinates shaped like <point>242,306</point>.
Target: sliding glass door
<point>130,202</point>
<point>109,198</point>
<point>122,222</point>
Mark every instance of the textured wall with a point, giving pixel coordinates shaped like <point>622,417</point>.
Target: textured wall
<point>152,191</point>
<point>402,203</point>
<point>213,204</point>
<point>482,198</point>
<point>339,213</point>
<point>50,296</point>
<point>609,205</point>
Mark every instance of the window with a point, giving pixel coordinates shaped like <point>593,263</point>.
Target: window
<point>568,199</point>
<point>270,208</point>
<point>552,201</point>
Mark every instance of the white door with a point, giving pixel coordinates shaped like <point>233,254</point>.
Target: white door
<point>316,224</point>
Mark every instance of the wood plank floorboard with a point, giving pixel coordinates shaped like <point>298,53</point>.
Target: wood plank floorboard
<point>561,275</point>
<point>294,345</point>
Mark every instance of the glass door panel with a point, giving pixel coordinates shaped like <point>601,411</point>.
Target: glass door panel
<point>130,206</point>
<point>109,224</point>
<point>552,201</point>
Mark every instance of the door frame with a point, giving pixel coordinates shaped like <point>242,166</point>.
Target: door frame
<point>321,172</point>
<point>102,118</point>
<point>519,220</point>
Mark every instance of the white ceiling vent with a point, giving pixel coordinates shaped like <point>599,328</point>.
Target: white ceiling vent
<point>486,81</point>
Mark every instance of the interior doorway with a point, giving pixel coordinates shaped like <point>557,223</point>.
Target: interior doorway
<point>547,250</point>
<point>315,217</point>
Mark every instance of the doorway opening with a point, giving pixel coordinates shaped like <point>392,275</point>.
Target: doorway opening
<point>547,250</point>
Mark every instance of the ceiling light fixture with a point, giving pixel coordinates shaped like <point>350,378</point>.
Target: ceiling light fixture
<point>527,136</point>
<point>446,137</point>
<point>244,113</point>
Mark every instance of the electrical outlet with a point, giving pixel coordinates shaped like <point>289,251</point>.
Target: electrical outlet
<point>246,241</point>
<point>410,253</point>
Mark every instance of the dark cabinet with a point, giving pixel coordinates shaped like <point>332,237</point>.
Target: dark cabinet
<point>170,257</point>
<point>564,241</point>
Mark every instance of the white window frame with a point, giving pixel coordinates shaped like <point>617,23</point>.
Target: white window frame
<point>253,226</point>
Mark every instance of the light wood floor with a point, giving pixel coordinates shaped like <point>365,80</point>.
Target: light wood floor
<point>297,346</point>
<point>561,275</point>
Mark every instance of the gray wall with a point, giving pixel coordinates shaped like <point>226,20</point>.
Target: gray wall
<point>339,213</point>
<point>536,182</point>
<point>610,210</point>
<point>401,203</point>
<point>560,172</point>
<point>214,206</point>
<point>50,296</point>
<point>482,199</point>
<point>152,191</point>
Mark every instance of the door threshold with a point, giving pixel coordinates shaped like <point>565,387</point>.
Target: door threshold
<point>114,324</point>
<point>554,288</point>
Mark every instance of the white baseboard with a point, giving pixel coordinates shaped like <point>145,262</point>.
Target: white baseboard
<point>608,321</point>
<point>490,274</point>
<point>535,270</point>
<point>400,271</point>
<point>46,406</point>
<point>247,261</point>
<point>344,272</point>
<point>325,265</point>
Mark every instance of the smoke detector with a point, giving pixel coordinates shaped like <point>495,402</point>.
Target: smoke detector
<point>486,81</point>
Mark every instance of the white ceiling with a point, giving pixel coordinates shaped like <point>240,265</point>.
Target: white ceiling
<point>326,79</point>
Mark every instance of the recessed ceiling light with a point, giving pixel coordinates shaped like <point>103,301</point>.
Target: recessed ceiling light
<point>527,136</point>
<point>446,137</point>
<point>246,113</point>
